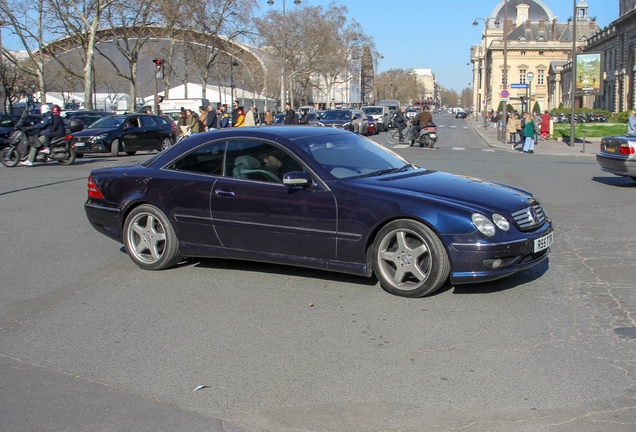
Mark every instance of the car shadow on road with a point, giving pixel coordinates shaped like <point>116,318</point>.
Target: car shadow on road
<point>617,181</point>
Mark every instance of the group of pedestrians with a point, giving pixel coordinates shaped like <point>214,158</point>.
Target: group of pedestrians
<point>210,118</point>
<point>529,127</point>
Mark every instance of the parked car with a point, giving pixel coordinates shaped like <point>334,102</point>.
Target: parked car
<point>8,122</point>
<point>321,198</point>
<point>618,156</point>
<point>128,133</point>
<point>337,118</point>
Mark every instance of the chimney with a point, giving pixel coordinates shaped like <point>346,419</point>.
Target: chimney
<point>528,26</point>
<point>542,25</point>
<point>554,29</point>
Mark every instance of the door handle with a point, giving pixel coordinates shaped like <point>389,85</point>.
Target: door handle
<point>224,193</point>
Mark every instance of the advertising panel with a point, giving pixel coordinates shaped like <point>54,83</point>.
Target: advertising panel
<point>589,74</point>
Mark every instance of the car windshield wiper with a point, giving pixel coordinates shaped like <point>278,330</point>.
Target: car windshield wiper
<point>387,171</point>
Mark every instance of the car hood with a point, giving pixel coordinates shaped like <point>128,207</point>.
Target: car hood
<point>479,194</point>
<point>93,132</point>
<point>334,122</point>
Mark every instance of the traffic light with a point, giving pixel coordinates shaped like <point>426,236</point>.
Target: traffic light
<point>159,67</point>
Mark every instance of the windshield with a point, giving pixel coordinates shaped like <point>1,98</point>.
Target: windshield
<point>372,111</point>
<point>337,115</point>
<point>350,155</point>
<point>108,122</point>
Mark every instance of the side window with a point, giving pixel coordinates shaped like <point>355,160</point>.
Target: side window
<point>147,121</point>
<point>132,122</point>
<point>255,160</point>
<point>204,160</point>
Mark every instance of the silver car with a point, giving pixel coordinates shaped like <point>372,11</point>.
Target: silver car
<point>618,156</point>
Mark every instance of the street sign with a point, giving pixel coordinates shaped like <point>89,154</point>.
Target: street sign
<point>505,94</point>
<point>519,86</point>
<point>504,99</point>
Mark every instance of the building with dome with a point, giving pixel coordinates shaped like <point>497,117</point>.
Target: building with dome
<point>535,42</point>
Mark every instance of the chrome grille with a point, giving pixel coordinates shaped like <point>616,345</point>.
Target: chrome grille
<point>530,217</point>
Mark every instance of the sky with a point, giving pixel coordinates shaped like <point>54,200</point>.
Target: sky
<point>435,34</point>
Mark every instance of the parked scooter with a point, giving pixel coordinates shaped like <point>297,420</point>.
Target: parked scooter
<point>427,136</point>
<point>22,139</point>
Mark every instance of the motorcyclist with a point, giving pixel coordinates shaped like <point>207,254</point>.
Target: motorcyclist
<point>422,120</point>
<point>52,126</point>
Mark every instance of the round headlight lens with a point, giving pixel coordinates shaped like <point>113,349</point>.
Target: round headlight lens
<point>483,224</point>
<point>501,222</point>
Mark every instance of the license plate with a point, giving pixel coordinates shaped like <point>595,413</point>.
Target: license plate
<point>610,148</point>
<point>433,135</point>
<point>543,242</point>
<point>80,144</point>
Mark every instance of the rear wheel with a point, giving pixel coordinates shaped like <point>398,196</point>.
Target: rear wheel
<point>10,157</point>
<point>150,239</point>
<point>409,259</point>
<point>165,143</point>
<point>71,158</point>
<point>114,148</point>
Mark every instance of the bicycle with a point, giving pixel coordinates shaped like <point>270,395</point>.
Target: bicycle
<point>393,136</point>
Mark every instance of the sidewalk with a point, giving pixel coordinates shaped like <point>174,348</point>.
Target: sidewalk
<point>550,147</point>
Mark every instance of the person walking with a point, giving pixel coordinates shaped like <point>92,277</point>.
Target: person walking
<point>203,115</point>
<point>249,118</point>
<point>514,124</point>
<point>210,119</point>
<point>545,125</point>
<point>631,124</point>
<point>290,115</point>
<point>528,132</point>
<point>268,117</point>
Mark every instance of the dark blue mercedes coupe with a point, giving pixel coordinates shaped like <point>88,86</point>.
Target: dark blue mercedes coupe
<point>322,198</point>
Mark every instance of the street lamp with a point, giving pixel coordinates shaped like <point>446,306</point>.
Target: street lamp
<point>233,63</point>
<point>283,83</point>
<point>497,23</point>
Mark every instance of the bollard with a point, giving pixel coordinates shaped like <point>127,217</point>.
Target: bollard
<point>583,151</point>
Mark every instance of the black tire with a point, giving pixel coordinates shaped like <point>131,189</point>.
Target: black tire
<point>633,178</point>
<point>150,239</point>
<point>71,158</point>
<point>409,259</point>
<point>79,155</point>
<point>131,153</point>
<point>10,157</point>
<point>165,143</point>
<point>114,148</point>
<point>393,137</point>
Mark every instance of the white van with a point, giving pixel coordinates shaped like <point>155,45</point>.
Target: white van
<point>381,115</point>
<point>173,105</point>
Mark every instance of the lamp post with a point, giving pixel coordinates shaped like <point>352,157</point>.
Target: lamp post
<point>573,97</point>
<point>485,55</point>
<point>233,63</point>
<point>283,82</point>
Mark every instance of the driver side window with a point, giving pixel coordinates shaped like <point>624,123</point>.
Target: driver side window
<point>255,160</point>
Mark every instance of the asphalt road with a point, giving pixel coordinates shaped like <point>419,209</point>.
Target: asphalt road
<point>89,341</point>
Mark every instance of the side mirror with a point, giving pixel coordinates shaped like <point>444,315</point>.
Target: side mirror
<point>298,179</point>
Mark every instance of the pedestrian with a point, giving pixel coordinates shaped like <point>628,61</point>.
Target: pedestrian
<point>249,118</point>
<point>223,117</point>
<point>290,115</point>
<point>268,117</point>
<point>399,121</point>
<point>240,117</point>
<point>191,123</point>
<point>203,115</point>
<point>304,120</point>
<point>210,119</point>
<point>513,125</point>
<point>537,119</point>
<point>545,125</point>
<point>528,132</point>
<point>631,124</point>
<point>235,113</point>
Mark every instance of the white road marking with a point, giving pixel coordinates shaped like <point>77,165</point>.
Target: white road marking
<point>459,148</point>
<point>488,150</point>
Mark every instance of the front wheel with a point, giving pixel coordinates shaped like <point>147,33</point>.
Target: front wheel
<point>150,239</point>
<point>393,136</point>
<point>114,148</point>
<point>409,259</point>
<point>10,157</point>
<point>166,143</point>
<point>71,158</point>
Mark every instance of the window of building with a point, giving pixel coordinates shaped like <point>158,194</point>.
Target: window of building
<point>541,53</point>
<point>504,77</point>
<point>540,77</point>
<point>522,76</point>
<point>523,53</point>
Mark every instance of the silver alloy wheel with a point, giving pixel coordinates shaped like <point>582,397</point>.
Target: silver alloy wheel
<point>147,236</point>
<point>405,259</point>
<point>165,143</point>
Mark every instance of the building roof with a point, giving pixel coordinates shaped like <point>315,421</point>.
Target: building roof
<point>538,10</point>
<point>561,32</point>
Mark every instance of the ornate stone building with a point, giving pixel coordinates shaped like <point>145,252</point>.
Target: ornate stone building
<point>536,44</point>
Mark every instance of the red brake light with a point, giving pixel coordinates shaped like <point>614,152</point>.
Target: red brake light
<point>626,149</point>
<point>93,192</point>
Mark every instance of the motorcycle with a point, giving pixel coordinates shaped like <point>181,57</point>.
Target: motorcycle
<point>427,136</point>
<point>22,139</point>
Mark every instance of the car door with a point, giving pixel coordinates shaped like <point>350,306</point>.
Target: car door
<point>254,212</point>
<point>150,133</point>
<point>131,134</point>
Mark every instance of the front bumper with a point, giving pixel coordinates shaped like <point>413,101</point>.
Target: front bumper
<point>472,261</point>
<point>89,146</point>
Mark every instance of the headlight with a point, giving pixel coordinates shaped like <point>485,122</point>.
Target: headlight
<point>501,222</point>
<point>483,224</point>
<point>99,137</point>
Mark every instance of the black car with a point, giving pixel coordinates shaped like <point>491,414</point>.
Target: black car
<point>8,122</point>
<point>337,118</point>
<point>460,115</point>
<point>128,133</point>
<point>87,117</point>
